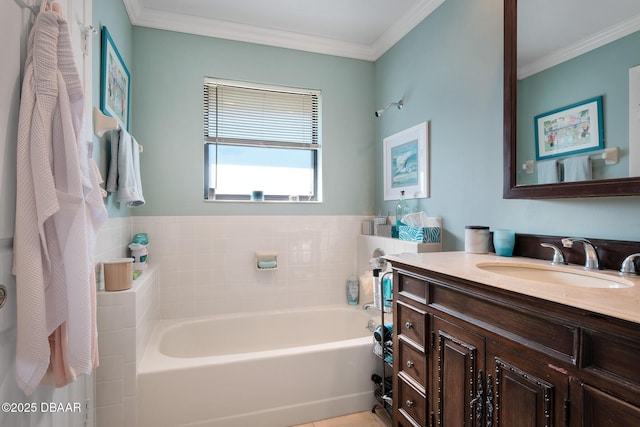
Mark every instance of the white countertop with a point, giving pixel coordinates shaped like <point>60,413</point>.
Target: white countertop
<point>622,303</point>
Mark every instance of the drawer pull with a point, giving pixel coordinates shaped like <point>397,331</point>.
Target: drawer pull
<point>409,364</point>
<point>409,403</point>
<point>408,325</point>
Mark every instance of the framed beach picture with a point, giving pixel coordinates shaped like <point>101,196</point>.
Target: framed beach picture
<point>406,163</point>
<point>569,130</point>
<point>115,82</point>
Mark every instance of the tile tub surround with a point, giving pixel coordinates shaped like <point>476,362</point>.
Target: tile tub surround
<point>125,322</point>
<point>207,264</point>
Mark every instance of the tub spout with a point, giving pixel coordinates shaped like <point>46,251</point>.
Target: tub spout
<point>367,306</point>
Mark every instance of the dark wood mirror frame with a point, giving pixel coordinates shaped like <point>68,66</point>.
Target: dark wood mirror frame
<point>599,188</point>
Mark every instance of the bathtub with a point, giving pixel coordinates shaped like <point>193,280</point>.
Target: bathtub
<point>276,368</point>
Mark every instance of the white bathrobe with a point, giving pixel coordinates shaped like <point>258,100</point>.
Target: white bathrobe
<point>58,212</point>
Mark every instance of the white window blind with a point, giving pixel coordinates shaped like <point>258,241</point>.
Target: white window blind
<point>260,137</point>
<point>244,114</point>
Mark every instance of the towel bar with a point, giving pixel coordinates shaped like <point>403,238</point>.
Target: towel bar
<point>611,156</point>
<point>103,123</point>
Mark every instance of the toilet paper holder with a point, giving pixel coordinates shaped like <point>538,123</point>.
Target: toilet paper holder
<point>266,260</point>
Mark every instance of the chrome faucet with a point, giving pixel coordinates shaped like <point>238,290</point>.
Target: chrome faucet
<point>628,266</point>
<point>558,256</point>
<point>591,259</point>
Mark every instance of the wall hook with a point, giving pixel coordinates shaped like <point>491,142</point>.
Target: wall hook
<point>3,295</point>
<point>33,9</point>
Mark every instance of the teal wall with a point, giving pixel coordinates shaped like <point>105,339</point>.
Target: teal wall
<point>449,68</point>
<point>113,15</point>
<point>167,86</point>
<point>601,72</point>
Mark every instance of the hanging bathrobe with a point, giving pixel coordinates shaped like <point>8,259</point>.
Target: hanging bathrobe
<point>59,209</point>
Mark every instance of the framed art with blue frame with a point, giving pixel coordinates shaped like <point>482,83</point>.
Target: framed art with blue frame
<point>576,128</point>
<point>115,82</point>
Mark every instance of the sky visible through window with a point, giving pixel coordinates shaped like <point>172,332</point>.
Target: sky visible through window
<point>275,171</point>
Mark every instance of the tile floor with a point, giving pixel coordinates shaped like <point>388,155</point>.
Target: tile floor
<point>360,419</point>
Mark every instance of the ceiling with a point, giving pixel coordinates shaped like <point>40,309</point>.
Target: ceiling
<point>552,31</point>
<point>549,31</point>
<point>360,29</point>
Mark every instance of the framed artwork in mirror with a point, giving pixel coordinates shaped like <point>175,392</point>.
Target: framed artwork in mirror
<point>115,82</point>
<point>406,163</point>
<point>573,129</point>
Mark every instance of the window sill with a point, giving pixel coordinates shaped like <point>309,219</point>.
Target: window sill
<point>299,202</point>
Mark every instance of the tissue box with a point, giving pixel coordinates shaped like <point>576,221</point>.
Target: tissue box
<point>419,234</point>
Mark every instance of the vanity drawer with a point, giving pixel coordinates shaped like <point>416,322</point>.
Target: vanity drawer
<point>411,402</point>
<point>411,324</point>
<point>611,356</point>
<point>412,287</point>
<point>412,363</point>
<point>543,333</point>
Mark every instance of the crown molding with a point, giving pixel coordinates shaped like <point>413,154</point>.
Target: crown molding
<point>403,26</point>
<point>151,18</point>
<point>599,39</point>
<point>134,9</point>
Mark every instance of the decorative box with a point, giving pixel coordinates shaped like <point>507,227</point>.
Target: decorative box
<point>420,234</point>
<point>383,230</point>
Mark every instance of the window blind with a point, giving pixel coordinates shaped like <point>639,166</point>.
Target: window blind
<point>260,115</point>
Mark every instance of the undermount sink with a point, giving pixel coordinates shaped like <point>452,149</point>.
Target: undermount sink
<point>555,275</point>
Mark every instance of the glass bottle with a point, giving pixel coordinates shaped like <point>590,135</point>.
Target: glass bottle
<point>401,209</point>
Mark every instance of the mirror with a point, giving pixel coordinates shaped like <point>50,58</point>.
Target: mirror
<point>613,180</point>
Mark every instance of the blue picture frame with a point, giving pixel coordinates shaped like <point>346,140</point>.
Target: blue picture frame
<point>574,129</point>
<point>115,82</point>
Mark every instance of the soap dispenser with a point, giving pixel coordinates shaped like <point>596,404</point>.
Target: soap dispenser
<point>353,290</point>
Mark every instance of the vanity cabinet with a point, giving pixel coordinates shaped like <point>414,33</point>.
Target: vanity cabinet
<point>472,355</point>
<point>481,383</point>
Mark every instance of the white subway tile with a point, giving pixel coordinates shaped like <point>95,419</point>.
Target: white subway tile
<point>111,368</point>
<point>109,318</point>
<point>110,416</point>
<point>109,393</point>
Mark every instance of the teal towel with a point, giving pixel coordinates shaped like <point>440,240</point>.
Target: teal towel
<point>548,172</point>
<point>577,169</point>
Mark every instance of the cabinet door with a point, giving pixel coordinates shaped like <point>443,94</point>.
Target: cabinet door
<point>521,392</point>
<point>602,409</point>
<point>458,356</point>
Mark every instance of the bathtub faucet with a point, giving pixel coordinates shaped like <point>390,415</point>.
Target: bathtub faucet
<point>371,325</point>
<point>367,306</point>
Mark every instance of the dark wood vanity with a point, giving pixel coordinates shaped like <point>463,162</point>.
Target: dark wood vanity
<point>468,354</point>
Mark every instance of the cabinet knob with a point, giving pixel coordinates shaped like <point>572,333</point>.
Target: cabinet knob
<point>409,403</point>
<point>408,325</point>
<point>409,364</point>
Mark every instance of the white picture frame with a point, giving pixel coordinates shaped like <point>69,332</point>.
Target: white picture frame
<point>406,163</point>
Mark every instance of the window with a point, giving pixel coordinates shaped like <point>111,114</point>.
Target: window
<point>259,137</point>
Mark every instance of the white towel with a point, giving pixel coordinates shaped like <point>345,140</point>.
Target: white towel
<point>548,172</point>
<point>577,168</point>
<point>129,182</point>
<point>55,200</point>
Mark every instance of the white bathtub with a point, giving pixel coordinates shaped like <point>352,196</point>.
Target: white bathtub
<point>261,369</point>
